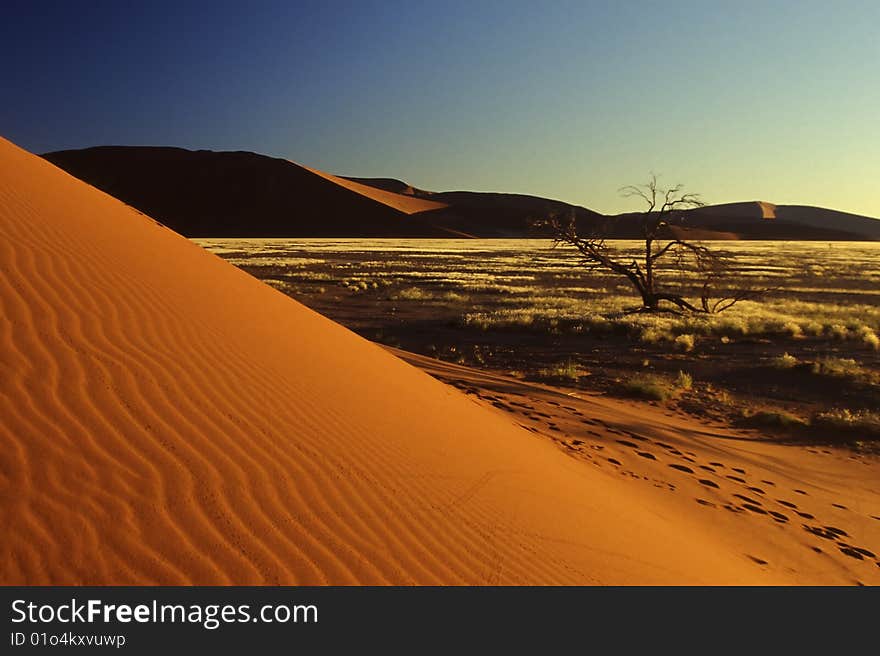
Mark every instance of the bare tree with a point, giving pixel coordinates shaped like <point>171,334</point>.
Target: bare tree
<point>666,248</point>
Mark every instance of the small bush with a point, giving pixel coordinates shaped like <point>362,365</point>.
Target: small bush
<point>684,343</point>
<point>862,425</point>
<point>648,387</point>
<point>684,381</point>
<point>792,329</point>
<point>653,336</point>
<point>840,367</point>
<point>413,294</point>
<point>454,297</point>
<point>568,370</point>
<point>784,361</point>
<point>869,337</point>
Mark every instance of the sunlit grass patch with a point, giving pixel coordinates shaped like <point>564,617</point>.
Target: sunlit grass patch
<point>649,387</point>
<point>784,361</point>
<point>842,368</point>
<point>413,294</point>
<point>568,370</point>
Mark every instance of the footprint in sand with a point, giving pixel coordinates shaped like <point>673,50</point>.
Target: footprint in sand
<point>864,552</point>
<point>683,468</point>
<point>837,505</point>
<point>614,462</point>
<point>854,552</point>
<point>737,479</point>
<point>703,502</point>
<point>787,504</point>
<point>645,454</point>
<point>759,561</point>
<point>708,483</point>
<point>756,490</point>
<point>747,499</point>
<point>717,464</point>
<point>825,532</point>
<point>754,508</point>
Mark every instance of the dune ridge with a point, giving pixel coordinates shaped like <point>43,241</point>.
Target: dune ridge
<point>406,203</point>
<point>168,419</point>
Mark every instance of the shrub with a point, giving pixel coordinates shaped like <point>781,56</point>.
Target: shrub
<point>861,424</point>
<point>685,343</point>
<point>684,381</point>
<point>869,337</point>
<point>840,367</point>
<point>412,294</point>
<point>648,387</point>
<point>568,370</point>
<point>784,361</point>
<point>792,329</point>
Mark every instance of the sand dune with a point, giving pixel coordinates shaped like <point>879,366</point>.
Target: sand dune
<point>166,418</point>
<point>235,194</point>
<point>810,511</point>
<point>241,194</point>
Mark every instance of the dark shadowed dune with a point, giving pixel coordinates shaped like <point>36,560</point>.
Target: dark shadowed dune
<point>241,194</point>
<point>234,194</point>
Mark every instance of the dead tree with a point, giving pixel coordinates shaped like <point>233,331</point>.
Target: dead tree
<point>666,248</point>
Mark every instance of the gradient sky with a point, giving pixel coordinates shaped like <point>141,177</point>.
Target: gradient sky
<point>740,100</point>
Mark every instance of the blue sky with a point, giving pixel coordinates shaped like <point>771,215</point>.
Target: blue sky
<point>742,100</point>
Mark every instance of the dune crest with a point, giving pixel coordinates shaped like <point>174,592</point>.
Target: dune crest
<point>168,419</point>
<point>408,204</point>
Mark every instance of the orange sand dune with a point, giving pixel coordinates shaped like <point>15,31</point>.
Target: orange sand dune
<point>401,202</point>
<point>166,418</point>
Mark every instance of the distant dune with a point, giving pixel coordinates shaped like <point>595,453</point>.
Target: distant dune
<point>240,194</point>
<point>762,220</point>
